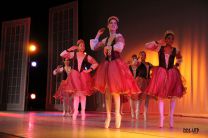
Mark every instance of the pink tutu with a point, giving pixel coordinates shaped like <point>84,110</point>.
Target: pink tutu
<point>116,76</point>
<point>142,83</point>
<point>61,92</point>
<point>166,83</point>
<point>79,83</point>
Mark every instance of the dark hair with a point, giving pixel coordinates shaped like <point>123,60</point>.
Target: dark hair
<point>142,52</point>
<point>169,34</point>
<point>65,59</point>
<point>134,56</point>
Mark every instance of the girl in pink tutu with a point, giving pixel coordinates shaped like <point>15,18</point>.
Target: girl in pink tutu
<point>166,79</point>
<point>79,81</point>
<point>61,94</point>
<point>113,76</point>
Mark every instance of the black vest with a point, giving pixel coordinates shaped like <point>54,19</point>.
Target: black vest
<point>150,67</point>
<point>162,58</point>
<point>114,54</point>
<point>74,63</point>
<point>141,71</point>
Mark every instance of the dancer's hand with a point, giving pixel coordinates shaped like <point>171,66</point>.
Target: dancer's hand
<point>58,68</point>
<point>87,71</point>
<point>176,66</point>
<point>100,32</point>
<point>107,50</point>
<point>161,42</point>
<point>108,47</point>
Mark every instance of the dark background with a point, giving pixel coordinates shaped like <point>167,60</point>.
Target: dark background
<point>140,21</point>
<point>39,13</point>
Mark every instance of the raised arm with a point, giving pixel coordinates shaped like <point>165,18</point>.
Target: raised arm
<point>69,53</point>
<point>155,45</point>
<point>94,43</point>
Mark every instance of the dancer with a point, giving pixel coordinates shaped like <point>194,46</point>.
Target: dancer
<point>79,80</point>
<point>133,100</point>
<point>113,77</point>
<point>166,82</point>
<point>61,94</point>
<point>143,78</point>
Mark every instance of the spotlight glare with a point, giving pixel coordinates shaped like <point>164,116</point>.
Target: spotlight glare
<point>34,64</point>
<point>33,96</point>
<point>32,48</point>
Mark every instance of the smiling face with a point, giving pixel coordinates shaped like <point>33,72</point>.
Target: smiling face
<point>113,25</point>
<point>82,46</point>
<point>169,39</point>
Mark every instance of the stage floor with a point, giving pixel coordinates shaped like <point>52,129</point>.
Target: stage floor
<point>53,125</point>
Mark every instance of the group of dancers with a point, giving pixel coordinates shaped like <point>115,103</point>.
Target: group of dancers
<point>115,78</point>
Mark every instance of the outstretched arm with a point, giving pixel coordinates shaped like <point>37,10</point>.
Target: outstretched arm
<point>69,53</point>
<point>155,45</point>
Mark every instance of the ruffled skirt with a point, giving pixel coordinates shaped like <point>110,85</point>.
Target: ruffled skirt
<point>116,76</point>
<point>165,83</point>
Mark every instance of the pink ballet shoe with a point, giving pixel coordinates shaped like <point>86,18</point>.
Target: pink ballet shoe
<point>117,121</point>
<point>171,122</point>
<point>74,116</point>
<point>83,116</point>
<point>107,122</point>
<point>145,116</point>
<point>161,122</point>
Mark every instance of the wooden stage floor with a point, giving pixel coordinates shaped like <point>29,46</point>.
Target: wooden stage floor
<point>53,125</point>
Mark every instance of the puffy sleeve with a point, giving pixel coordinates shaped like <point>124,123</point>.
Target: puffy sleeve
<point>154,46</point>
<point>66,54</point>
<point>95,44</point>
<point>120,43</point>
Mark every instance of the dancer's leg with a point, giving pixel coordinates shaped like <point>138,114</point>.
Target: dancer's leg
<point>117,110</point>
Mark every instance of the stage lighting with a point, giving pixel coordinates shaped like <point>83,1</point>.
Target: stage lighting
<point>34,64</point>
<point>33,96</point>
<point>32,48</point>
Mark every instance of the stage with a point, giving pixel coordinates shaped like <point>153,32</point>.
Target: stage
<point>53,125</point>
